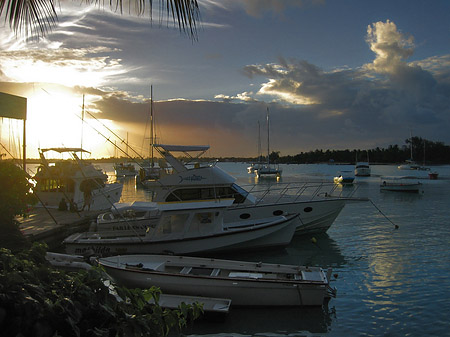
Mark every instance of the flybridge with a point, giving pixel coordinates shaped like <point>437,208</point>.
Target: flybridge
<point>165,150</point>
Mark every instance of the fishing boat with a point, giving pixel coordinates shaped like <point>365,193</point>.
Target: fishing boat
<point>244,283</point>
<point>267,169</point>
<point>194,228</point>
<point>344,177</point>
<point>400,184</point>
<point>316,203</point>
<point>73,183</point>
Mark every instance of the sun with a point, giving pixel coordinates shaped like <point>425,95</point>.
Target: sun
<point>55,120</point>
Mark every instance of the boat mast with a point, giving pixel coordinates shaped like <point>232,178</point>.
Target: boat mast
<point>411,145</point>
<point>82,123</point>
<point>259,142</point>
<point>151,125</point>
<point>268,139</point>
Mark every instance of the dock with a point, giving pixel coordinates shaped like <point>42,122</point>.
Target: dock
<point>52,226</point>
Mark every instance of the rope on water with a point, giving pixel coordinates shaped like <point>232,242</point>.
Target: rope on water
<point>379,210</point>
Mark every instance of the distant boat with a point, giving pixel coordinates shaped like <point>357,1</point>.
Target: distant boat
<point>244,283</point>
<point>125,170</point>
<point>256,166</point>
<point>267,169</point>
<point>410,164</point>
<point>362,169</point>
<point>344,177</point>
<point>400,184</point>
<point>433,175</point>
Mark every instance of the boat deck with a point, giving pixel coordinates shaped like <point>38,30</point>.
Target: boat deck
<point>52,226</point>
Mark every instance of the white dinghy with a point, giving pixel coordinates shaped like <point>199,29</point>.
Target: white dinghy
<point>245,283</point>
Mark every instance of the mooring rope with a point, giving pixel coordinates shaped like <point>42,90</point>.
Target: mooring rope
<point>379,210</point>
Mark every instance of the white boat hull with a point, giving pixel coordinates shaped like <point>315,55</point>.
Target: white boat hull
<point>273,234</point>
<point>412,188</point>
<point>245,288</point>
<point>313,216</point>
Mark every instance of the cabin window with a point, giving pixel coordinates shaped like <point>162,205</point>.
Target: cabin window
<point>244,216</point>
<point>307,209</point>
<point>207,193</point>
<point>277,212</point>
<point>240,195</point>
<point>52,185</point>
<point>171,224</point>
<point>201,223</point>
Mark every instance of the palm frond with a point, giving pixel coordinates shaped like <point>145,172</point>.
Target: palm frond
<point>29,16</point>
<point>38,17</point>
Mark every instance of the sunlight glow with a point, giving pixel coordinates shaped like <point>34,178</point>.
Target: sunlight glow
<point>54,120</point>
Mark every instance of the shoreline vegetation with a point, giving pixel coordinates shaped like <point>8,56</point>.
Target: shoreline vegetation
<point>37,299</point>
<point>424,151</point>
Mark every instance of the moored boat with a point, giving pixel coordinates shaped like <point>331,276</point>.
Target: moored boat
<point>400,184</point>
<point>344,177</point>
<point>125,170</point>
<point>245,283</point>
<point>362,169</point>
<point>193,228</point>
<point>314,202</point>
<point>74,183</point>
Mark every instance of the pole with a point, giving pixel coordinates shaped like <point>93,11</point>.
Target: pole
<point>151,124</point>
<point>82,121</point>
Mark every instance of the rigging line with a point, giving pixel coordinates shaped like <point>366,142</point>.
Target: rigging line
<point>379,210</point>
<point>3,146</point>
<point>107,128</point>
<point>79,163</point>
<point>109,140</point>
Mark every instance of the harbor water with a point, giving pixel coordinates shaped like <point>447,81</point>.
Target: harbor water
<point>390,281</point>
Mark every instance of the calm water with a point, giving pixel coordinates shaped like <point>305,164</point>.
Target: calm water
<point>391,282</point>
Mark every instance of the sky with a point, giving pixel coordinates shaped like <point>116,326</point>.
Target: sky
<point>346,74</point>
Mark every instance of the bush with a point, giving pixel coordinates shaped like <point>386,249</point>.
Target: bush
<point>38,300</point>
<point>15,196</point>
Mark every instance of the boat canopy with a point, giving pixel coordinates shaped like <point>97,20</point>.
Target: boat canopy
<point>64,149</point>
<point>183,148</point>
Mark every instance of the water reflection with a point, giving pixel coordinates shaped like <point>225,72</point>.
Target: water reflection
<point>274,321</point>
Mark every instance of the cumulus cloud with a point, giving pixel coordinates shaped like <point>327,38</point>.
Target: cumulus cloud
<point>376,98</point>
<point>390,46</point>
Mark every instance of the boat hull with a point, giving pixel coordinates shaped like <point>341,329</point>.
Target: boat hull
<point>274,234</point>
<point>243,288</point>
<point>315,216</point>
<point>410,188</point>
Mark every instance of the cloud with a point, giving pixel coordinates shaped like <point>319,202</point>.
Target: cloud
<point>390,46</point>
<point>377,100</point>
<point>258,7</point>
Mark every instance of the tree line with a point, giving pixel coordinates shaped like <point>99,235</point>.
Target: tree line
<point>423,151</point>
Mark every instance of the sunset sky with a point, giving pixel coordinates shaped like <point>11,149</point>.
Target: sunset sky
<point>334,75</point>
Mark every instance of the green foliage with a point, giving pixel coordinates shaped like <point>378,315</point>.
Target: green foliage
<point>15,196</point>
<point>38,300</point>
<point>15,192</point>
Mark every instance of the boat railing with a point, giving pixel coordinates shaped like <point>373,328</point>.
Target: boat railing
<point>307,191</point>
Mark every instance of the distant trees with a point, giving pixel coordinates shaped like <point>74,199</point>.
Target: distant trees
<point>422,151</point>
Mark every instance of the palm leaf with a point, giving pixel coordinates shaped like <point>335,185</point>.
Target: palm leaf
<point>38,17</point>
